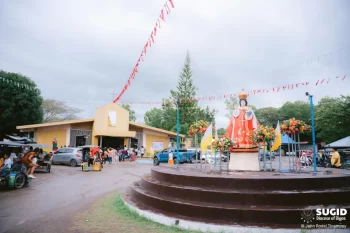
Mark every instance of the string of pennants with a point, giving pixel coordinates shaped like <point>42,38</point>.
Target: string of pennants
<point>150,41</point>
<point>17,84</point>
<point>278,89</point>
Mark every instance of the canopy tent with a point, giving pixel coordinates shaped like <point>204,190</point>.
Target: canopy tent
<point>9,143</point>
<point>286,139</point>
<point>344,142</point>
<point>36,145</point>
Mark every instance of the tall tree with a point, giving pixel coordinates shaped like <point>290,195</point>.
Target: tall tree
<point>56,110</point>
<point>268,116</point>
<point>20,102</point>
<point>231,104</point>
<point>165,118</point>
<point>299,110</point>
<point>186,91</point>
<point>132,114</point>
<point>332,118</point>
<point>221,132</point>
<point>155,118</point>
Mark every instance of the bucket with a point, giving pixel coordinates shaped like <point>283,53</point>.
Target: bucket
<point>97,166</point>
<point>85,166</point>
<point>12,178</point>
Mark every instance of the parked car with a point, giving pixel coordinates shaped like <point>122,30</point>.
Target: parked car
<point>68,155</point>
<point>183,156</point>
<point>211,158</point>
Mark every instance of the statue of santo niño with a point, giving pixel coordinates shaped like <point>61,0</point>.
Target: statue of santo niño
<point>242,123</point>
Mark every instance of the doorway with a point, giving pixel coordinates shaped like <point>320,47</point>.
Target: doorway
<point>113,142</point>
<point>80,141</point>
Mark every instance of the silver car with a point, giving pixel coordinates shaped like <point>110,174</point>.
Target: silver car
<point>68,155</point>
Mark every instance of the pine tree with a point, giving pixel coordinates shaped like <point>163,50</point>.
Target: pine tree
<point>186,91</point>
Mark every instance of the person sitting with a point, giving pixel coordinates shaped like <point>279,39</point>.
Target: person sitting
<point>335,160</point>
<point>6,164</point>
<point>27,161</point>
<point>13,156</point>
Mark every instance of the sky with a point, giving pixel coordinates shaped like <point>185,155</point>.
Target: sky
<point>83,51</point>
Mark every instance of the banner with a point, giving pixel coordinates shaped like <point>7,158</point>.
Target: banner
<point>281,88</point>
<point>166,9</point>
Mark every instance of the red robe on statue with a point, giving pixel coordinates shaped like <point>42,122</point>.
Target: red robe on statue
<point>241,125</point>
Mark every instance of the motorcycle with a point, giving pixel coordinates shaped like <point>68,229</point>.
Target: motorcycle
<point>267,156</point>
<point>324,160</point>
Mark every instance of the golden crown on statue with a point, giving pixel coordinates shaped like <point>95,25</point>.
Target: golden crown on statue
<point>243,95</point>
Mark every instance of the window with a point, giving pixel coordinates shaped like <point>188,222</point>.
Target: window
<point>165,150</point>
<point>68,151</point>
<point>61,151</point>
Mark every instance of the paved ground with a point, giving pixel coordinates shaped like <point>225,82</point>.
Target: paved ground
<point>51,199</point>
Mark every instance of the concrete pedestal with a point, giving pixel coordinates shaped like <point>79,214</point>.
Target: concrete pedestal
<point>244,161</point>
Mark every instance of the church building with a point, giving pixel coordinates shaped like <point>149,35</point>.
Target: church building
<point>110,128</point>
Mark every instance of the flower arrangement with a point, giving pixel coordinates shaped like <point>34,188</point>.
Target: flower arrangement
<point>293,126</point>
<point>223,144</point>
<point>263,134</point>
<point>198,127</point>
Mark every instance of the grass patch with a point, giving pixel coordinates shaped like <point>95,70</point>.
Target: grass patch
<point>110,215</point>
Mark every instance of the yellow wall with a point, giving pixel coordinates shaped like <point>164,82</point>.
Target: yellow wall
<point>82,126</point>
<point>150,138</point>
<point>126,142</point>
<point>136,129</point>
<point>46,137</point>
<point>101,124</point>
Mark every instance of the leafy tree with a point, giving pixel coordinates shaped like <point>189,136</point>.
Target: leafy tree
<point>231,104</point>
<point>154,117</point>
<point>332,118</point>
<point>221,132</point>
<point>268,116</point>
<point>299,110</point>
<point>55,110</point>
<point>132,114</point>
<point>20,102</point>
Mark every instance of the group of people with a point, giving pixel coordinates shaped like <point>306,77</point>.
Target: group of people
<point>28,157</point>
<point>129,153</point>
<point>108,154</point>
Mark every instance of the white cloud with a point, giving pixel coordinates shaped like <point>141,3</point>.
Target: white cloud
<point>80,51</point>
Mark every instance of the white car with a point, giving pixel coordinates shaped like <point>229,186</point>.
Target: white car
<point>210,158</point>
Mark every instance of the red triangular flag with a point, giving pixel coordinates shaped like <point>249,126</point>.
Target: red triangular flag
<point>162,15</point>
<point>171,3</point>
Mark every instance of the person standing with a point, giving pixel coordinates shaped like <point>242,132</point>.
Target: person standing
<point>142,151</point>
<point>116,157</point>
<point>110,155</point>
<point>105,155</point>
<point>335,160</point>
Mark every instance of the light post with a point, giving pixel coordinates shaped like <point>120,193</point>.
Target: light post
<point>313,128</point>
<point>177,103</point>
<point>177,130</point>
